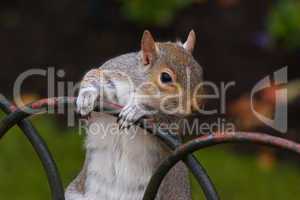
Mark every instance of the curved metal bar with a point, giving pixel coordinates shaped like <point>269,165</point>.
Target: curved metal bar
<point>179,154</point>
<point>42,105</point>
<point>191,162</point>
<point>31,109</point>
<point>210,140</point>
<point>202,177</point>
<point>40,147</point>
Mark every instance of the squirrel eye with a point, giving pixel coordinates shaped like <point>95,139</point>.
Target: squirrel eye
<point>165,78</point>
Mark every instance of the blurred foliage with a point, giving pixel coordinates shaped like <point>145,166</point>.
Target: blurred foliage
<point>284,23</point>
<point>154,12</point>
<point>236,177</point>
<point>239,177</point>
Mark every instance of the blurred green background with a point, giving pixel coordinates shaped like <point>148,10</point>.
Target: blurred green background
<point>237,40</point>
<point>236,176</point>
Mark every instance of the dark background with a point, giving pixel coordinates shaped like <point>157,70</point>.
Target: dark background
<point>237,40</point>
<point>233,42</point>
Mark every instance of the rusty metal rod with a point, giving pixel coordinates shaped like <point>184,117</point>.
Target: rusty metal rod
<point>211,140</point>
<point>41,106</point>
<point>191,162</point>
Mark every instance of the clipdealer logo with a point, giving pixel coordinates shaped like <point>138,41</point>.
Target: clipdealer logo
<point>279,121</point>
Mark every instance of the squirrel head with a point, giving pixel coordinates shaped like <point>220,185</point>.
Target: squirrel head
<point>174,75</point>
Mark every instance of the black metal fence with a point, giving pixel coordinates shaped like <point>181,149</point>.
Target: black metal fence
<point>17,116</point>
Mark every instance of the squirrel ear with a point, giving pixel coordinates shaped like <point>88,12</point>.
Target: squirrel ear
<point>190,42</point>
<point>148,46</point>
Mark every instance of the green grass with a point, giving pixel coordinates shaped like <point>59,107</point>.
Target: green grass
<point>21,174</point>
<point>236,177</point>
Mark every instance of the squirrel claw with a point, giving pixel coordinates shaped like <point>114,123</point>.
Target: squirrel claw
<point>124,124</point>
<point>128,116</point>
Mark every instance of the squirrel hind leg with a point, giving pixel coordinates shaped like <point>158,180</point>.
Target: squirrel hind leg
<point>176,184</point>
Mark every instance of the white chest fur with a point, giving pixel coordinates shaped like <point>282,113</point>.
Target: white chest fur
<point>119,163</point>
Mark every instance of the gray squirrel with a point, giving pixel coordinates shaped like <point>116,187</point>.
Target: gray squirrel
<point>159,81</point>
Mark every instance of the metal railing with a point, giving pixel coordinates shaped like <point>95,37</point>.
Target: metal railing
<point>18,116</point>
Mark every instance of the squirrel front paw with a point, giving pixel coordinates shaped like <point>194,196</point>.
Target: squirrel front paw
<point>86,100</point>
<point>129,115</point>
